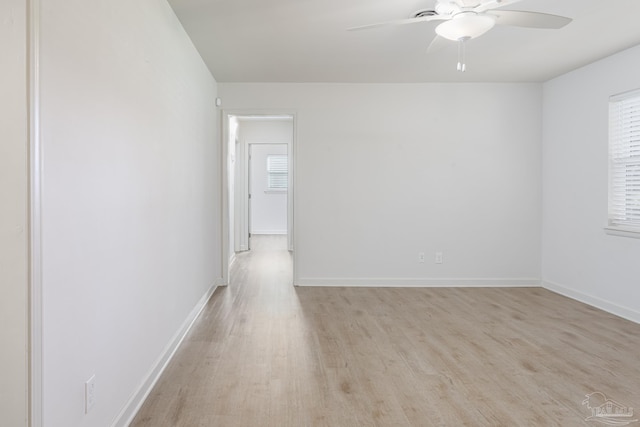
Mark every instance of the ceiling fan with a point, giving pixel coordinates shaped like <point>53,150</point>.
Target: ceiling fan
<point>467,19</point>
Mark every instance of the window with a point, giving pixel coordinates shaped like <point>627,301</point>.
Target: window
<point>624,163</point>
<point>277,167</point>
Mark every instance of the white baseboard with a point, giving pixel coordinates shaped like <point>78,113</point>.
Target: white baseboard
<point>232,259</point>
<point>602,304</point>
<point>421,282</point>
<point>125,417</point>
<point>280,232</point>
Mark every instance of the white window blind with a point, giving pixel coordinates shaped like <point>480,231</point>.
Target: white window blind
<point>277,167</point>
<point>624,161</point>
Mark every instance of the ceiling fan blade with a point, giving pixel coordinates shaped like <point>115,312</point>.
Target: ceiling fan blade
<point>493,4</point>
<point>437,44</point>
<point>517,18</point>
<point>401,22</point>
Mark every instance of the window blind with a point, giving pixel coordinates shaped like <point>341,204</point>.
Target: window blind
<point>277,168</point>
<point>624,161</point>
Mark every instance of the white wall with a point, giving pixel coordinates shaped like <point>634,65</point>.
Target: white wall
<point>579,259</point>
<point>386,171</point>
<point>13,214</point>
<point>131,235</point>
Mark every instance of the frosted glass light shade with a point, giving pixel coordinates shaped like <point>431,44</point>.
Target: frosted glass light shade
<point>465,25</point>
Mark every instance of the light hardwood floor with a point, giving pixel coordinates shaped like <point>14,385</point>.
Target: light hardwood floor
<point>264,353</point>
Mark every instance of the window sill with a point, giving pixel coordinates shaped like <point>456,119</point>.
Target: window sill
<point>283,191</point>
<point>622,232</point>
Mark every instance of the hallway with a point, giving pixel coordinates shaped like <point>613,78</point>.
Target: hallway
<point>264,353</point>
<point>238,365</point>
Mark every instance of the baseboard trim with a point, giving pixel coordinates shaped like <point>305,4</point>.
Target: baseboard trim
<point>602,304</point>
<point>271,232</point>
<point>421,282</point>
<point>125,417</point>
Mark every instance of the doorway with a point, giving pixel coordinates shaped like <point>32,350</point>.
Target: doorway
<point>268,183</point>
<point>258,174</point>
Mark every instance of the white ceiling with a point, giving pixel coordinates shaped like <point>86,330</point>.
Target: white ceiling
<point>307,41</point>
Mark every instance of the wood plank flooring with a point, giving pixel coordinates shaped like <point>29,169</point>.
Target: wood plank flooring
<point>264,353</point>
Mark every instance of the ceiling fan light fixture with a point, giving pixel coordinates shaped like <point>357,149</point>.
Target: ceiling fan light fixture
<point>465,25</point>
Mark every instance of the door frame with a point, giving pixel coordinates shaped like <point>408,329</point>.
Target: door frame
<point>242,159</point>
<point>250,191</point>
<point>35,290</point>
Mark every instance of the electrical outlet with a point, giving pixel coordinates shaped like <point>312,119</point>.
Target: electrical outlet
<point>420,256</point>
<point>438,257</point>
<point>89,394</point>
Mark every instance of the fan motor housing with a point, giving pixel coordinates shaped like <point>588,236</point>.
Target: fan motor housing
<point>422,13</point>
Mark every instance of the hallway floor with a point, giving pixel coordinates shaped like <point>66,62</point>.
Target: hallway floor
<point>265,353</point>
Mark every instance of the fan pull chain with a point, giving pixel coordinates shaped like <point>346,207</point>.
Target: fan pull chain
<point>462,64</point>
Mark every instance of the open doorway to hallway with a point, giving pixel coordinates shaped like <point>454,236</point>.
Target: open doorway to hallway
<point>259,180</point>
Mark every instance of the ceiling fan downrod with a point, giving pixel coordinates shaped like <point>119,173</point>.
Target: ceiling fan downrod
<point>462,62</point>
